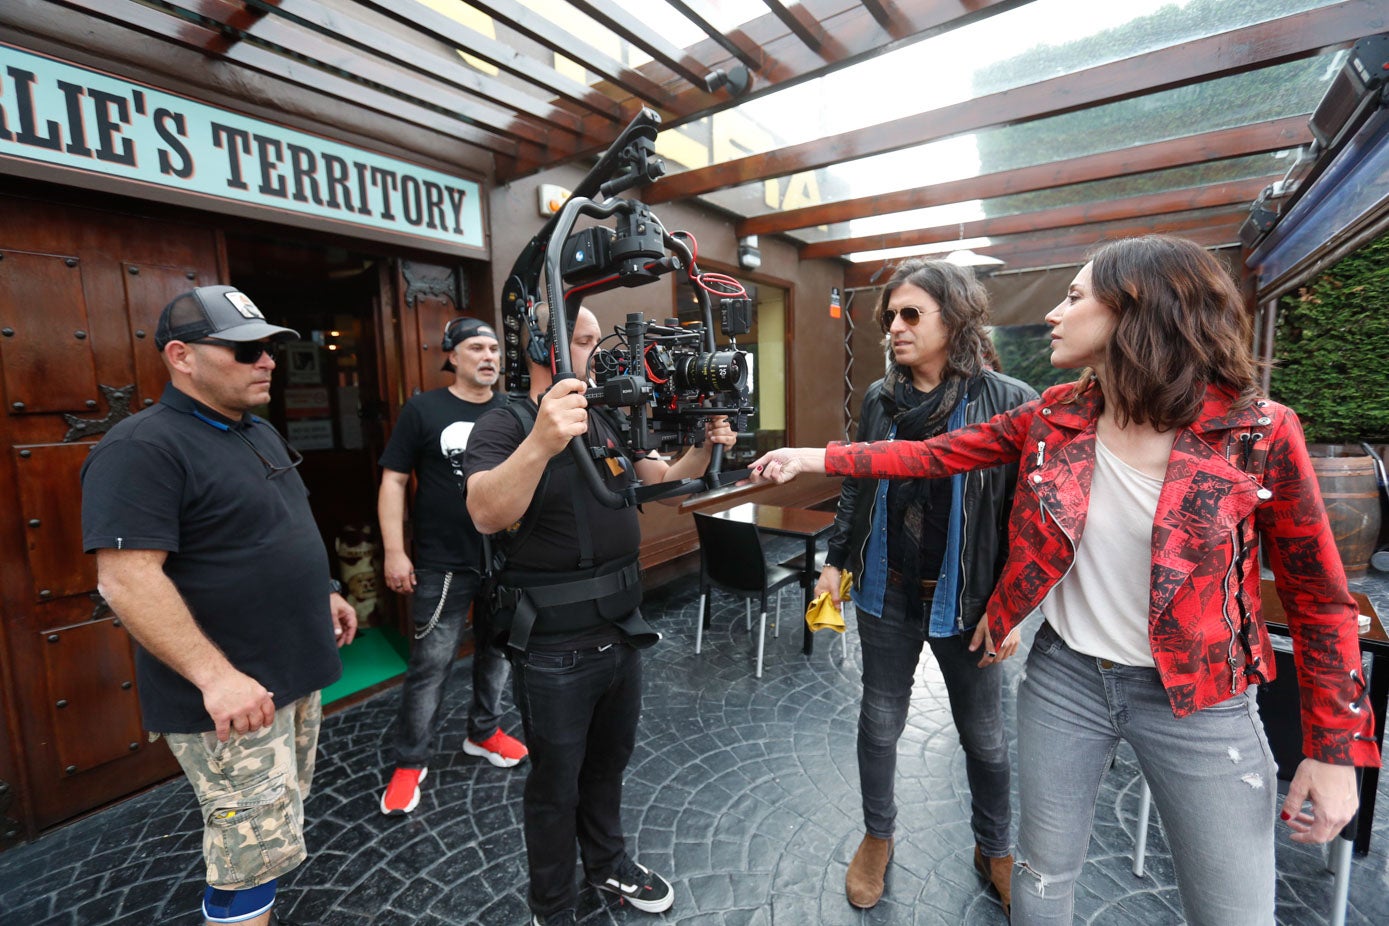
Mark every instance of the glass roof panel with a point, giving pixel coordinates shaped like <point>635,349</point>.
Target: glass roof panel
<point>657,15</point>
<point>1036,41</point>
<point>1274,164</point>
<point>1288,89</point>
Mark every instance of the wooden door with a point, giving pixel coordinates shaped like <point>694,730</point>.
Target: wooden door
<point>80,291</point>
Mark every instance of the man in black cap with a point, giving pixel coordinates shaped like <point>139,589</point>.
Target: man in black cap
<point>207,551</point>
<point>443,578</point>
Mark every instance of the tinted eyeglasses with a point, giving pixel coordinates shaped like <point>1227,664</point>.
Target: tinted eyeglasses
<point>247,352</point>
<point>910,314</point>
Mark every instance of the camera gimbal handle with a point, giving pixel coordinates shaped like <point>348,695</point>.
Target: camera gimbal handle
<point>628,163</point>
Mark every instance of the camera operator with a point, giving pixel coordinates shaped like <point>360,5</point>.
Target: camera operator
<point>569,601</point>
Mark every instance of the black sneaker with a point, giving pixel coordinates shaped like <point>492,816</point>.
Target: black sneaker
<point>646,890</point>
<point>562,918</point>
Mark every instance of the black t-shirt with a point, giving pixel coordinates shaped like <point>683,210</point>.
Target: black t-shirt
<point>244,551</point>
<point>552,544</point>
<point>432,425</point>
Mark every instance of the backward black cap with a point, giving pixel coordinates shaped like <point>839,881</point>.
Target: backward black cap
<point>223,311</point>
<point>460,330</point>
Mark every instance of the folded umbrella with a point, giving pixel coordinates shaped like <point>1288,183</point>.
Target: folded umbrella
<point>823,613</point>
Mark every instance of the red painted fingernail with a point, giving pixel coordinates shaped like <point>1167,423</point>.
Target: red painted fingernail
<point>1285,815</point>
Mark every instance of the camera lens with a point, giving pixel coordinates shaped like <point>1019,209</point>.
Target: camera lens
<point>722,371</point>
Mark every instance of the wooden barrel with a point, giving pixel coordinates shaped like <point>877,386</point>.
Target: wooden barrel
<point>1350,493</point>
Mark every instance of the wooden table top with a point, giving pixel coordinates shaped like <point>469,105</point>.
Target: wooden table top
<point>791,522</point>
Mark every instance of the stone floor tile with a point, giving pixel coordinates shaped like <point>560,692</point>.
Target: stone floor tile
<point>743,792</point>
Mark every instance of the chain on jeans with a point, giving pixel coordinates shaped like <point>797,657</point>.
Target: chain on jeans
<point>438,609</point>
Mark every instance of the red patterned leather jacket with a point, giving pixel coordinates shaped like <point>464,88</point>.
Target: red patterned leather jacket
<point>1204,623</point>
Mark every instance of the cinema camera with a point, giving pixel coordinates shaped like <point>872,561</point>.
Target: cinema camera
<point>670,378</point>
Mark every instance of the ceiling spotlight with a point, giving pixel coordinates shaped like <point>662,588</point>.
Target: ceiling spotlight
<point>737,79</point>
<point>968,258</point>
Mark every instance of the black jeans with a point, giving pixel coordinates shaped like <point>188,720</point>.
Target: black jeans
<point>580,713</point>
<point>891,652</point>
<point>448,595</point>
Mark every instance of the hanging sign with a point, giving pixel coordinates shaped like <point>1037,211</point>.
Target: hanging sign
<point>59,114</point>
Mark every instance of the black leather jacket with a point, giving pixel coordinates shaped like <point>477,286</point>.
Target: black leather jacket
<point>988,499</point>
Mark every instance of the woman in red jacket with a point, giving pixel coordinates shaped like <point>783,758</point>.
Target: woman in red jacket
<point>1144,490</point>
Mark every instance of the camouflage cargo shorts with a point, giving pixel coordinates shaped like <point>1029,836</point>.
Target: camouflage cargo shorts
<point>251,790</point>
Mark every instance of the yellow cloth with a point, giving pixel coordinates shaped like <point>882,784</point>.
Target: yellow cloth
<point>823,613</point>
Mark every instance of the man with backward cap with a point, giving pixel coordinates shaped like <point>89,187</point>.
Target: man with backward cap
<point>443,578</point>
<point>208,552</point>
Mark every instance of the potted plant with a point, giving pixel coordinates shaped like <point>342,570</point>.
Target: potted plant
<point>1331,365</point>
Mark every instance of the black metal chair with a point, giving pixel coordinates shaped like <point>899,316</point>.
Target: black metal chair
<point>1280,710</point>
<point>731,559</point>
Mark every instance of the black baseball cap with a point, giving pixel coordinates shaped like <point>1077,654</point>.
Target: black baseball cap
<point>223,311</point>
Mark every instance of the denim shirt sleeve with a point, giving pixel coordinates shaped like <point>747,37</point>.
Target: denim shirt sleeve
<point>868,593</point>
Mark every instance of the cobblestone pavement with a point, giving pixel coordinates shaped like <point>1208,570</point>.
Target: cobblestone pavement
<point>743,792</point>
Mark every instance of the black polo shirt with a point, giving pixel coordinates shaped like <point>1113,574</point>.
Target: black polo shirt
<point>244,551</point>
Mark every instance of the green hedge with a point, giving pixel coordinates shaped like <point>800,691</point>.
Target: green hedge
<point>1025,352</point>
<point>1332,350</point>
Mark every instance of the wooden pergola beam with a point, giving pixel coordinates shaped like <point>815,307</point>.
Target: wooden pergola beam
<point>855,27</point>
<point>526,22</point>
<point>805,27</point>
<point>787,61</point>
<point>304,27</point>
<point>1258,46</point>
<point>1214,195</point>
<point>1216,236</point>
<point>1258,138</point>
<point>678,61</point>
<point>429,22</point>
<point>1210,228</point>
<point>367,40</point>
<point>179,31</point>
<point>736,42</point>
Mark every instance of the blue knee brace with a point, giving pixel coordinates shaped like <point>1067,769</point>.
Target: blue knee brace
<point>221,906</point>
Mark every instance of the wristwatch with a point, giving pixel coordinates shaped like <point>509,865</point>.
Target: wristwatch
<point>334,587</point>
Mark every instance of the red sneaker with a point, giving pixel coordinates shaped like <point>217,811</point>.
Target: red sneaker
<point>403,793</point>
<point>501,750</point>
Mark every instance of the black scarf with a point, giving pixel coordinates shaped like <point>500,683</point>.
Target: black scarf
<point>913,503</point>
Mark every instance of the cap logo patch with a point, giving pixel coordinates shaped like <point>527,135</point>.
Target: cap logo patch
<point>243,304</point>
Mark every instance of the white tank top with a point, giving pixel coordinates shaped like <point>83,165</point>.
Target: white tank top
<point>1100,607</point>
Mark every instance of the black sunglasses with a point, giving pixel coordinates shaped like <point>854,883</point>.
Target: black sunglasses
<point>910,314</point>
<point>246,352</point>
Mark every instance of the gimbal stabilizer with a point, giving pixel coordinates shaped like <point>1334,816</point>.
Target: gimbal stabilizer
<point>671,377</point>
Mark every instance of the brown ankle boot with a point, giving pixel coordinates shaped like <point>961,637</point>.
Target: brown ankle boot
<point>864,882</point>
<point>999,873</point>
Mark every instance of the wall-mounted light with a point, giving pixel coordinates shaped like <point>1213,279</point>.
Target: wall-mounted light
<point>749,257</point>
<point>550,199</point>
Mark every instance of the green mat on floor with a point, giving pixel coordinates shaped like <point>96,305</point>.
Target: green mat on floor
<point>378,653</point>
